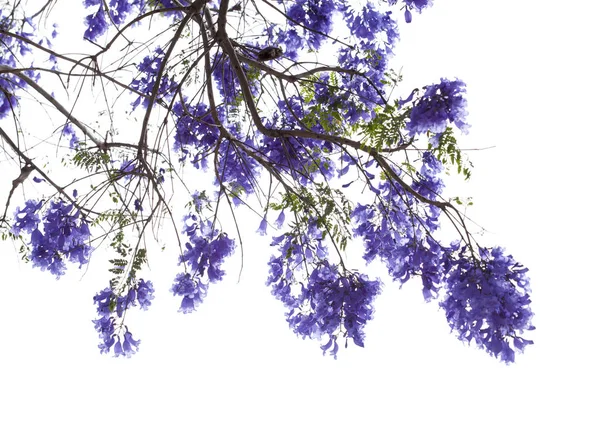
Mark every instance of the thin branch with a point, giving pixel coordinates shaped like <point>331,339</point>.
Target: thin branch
<point>55,103</point>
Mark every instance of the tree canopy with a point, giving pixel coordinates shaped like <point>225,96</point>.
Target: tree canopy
<point>172,114</point>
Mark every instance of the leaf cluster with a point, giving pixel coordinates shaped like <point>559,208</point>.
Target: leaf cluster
<point>91,161</point>
<point>327,207</point>
<point>125,271</point>
<point>384,129</point>
<point>447,152</point>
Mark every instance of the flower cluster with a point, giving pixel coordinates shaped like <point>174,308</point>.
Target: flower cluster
<point>486,299</point>
<point>196,132</point>
<point>197,136</point>
<point>313,21</point>
<point>27,219</point>
<point>236,170</point>
<point>488,302</point>
<point>12,51</point>
<point>69,132</point>
<point>227,81</point>
<point>146,80</point>
<point>111,309</point>
<point>418,5</point>
<point>334,303</point>
<point>440,105</point>
<point>204,253</point>
<point>302,157</point>
<point>329,302</point>
<point>97,22</point>
<point>402,243</point>
<point>398,230</point>
<point>483,292</point>
<point>428,183</point>
<point>375,34</point>
<point>65,235</point>
<point>369,24</point>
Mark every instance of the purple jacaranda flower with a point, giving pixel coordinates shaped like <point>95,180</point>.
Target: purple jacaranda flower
<point>262,229</point>
<point>96,24</point>
<point>111,310</point>
<point>418,4</point>
<point>69,132</point>
<point>206,248</point>
<point>441,105</point>
<point>145,81</point>
<point>487,302</point>
<point>145,293</point>
<point>65,235</point>
<point>191,289</point>
<point>130,345</point>
<point>118,349</point>
<point>27,219</point>
<point>280,220</point>
<point>187,305</point>
<point>329,302</point>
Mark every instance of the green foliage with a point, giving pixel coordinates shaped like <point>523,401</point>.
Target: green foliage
<point>462,201</point>
<point>317,116</point>
<point>119,266</point>
<point>307,88</point>
<point>329,119</point>
<point>448,153</point>
<point>124,270</point>
<point>373,56</point>
<point>24,248</point>
<point>384,129</point>
<point>236,190</point>
<point>252,74</point>
<point>115,218</point>
<point>392,78</point>
<point>139,259</point>
<point>329,206</point>
<point>199,201</point>
<point>91,161</point>
<point>119,245</point>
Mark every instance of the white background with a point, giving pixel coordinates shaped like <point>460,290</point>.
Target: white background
<point>533,94</point>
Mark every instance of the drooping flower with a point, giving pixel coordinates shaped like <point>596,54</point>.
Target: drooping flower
<point>119,10</point>
<point>105,327</point>
<point>262,229</point>
<point>428,182</point>
<point>206,249</point>
<point>399,233</point>
<point>280,220</point>
<point>130,345</point>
